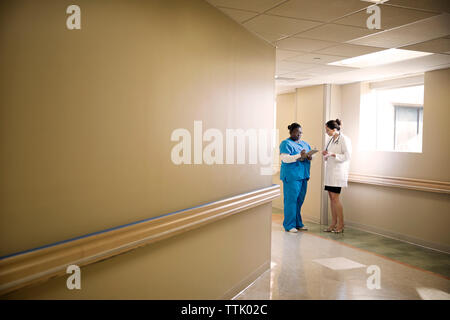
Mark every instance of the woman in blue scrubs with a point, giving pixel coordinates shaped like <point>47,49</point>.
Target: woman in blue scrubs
<point>295,175</point>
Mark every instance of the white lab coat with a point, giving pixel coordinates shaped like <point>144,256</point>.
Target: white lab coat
<point>336,169</point>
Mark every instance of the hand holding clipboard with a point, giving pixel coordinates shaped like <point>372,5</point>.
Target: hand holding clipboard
<point>307,155</point>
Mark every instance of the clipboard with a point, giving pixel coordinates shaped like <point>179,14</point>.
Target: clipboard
<point>310,153</point>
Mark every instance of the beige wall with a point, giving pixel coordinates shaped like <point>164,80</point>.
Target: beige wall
<point>305,106</point>
<point>335,109</point>
<point>286,114</point>
<point>86,120</point>
<point>202,264</point>
<point>432,161</point>
<point>310,110</point>
<point>416,216</point>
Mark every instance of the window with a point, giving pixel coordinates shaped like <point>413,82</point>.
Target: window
<point>392,119</point>
<point>408,128</point>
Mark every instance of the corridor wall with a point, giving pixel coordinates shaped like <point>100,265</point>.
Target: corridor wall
<point>305,106</point>
<point>417,216</point>
<point>86,120</point>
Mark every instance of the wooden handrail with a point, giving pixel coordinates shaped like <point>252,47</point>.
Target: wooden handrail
<point>38,265</point>
<point>398,182</point>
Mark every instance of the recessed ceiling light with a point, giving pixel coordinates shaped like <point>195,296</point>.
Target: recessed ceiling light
<point>375,1</point>
<point>379,58</point>
<point>286,79</point>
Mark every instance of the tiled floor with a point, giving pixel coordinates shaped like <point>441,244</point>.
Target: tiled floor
<point>318,265</point>
<point>339,263</point>
<point>430,260</point>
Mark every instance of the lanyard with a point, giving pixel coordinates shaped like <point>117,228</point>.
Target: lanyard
<point>337,140</point>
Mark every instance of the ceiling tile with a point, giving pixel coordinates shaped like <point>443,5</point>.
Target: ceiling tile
<point>323,10</point>
<point>250,5</point>
<point>349,50</point>
<point>270,37</point>
<point>315,58</point>
<point>433,5</point>
<point>278,26</point>
<point>285,54</point>
<point>326,70</point>
<point>238,15</point>
<point>297,75</point>
<point>391,17</point>
<point>281,72</point>
<point>336,33</point>
<point>305,45</point>
<point>441,45</point>
<point>294,66</point>
<point>424,30</point>
<point>398,69</point>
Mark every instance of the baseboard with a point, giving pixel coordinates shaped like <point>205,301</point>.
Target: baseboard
<point>386,233</point>
<point>400,237</point>
<point>242,285</point>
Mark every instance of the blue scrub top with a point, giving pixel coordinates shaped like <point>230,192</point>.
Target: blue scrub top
<point>297,170</point>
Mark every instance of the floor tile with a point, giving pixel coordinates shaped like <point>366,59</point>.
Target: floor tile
<point>318,265</point>
<point>339,263</point>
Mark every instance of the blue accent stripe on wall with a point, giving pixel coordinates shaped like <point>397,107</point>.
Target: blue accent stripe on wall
<point>114,228</point>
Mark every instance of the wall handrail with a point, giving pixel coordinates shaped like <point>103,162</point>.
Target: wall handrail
<point>400,182</point>
<point>36,266</point>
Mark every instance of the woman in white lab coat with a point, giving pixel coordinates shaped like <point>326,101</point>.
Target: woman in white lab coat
<point>337,160</point>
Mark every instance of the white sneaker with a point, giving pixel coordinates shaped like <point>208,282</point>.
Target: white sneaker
<point>293,230</point>
<point>303,228</point>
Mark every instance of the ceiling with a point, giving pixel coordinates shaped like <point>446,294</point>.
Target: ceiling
<point>309,34</point>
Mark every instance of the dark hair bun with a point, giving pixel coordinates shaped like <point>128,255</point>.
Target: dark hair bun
<point>293,126</point>
<point>334,124</point>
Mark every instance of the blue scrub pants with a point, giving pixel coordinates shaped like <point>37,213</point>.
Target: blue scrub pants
<point>294,193</point>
